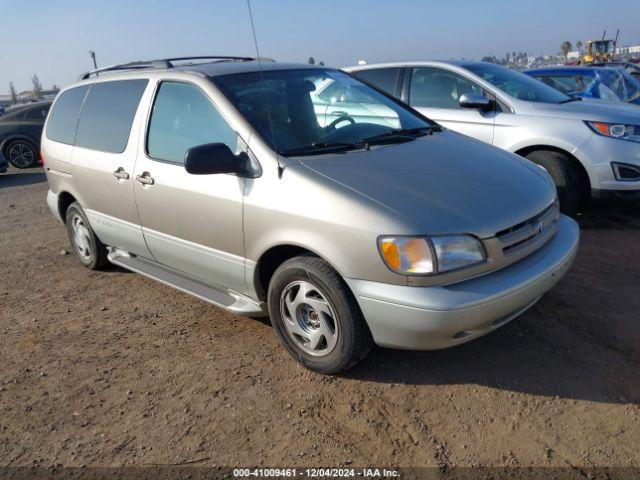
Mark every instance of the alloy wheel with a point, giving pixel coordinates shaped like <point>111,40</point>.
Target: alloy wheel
<point>20,155</point>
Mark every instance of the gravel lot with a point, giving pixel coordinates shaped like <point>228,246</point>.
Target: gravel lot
<point>110,368</point>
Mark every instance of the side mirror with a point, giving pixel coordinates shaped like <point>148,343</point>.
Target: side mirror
<point>213,158</point>
<point>476,101</point>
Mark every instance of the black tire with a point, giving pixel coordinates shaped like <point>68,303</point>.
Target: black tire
<point>90,250</point>
<point>353,338</point>
<point>568,179</point>
<point>21,154</point>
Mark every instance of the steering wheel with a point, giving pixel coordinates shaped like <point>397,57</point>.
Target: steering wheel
<point>345,117</point>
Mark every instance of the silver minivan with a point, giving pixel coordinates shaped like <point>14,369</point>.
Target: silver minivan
<point>232,180</point>
<point>589,148</point>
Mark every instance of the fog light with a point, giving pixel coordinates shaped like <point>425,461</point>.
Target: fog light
<point>625,172</point>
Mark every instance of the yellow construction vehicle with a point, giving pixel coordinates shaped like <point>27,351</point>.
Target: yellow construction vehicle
<point>600,51</point>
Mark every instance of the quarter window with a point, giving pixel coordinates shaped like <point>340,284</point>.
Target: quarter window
<point>383,78</point>
<point>63,120</point>
<point>183,117</point>
<point>437,88</point>
<point>107,115</point>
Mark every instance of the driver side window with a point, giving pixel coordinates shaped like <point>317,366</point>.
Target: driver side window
<point>183,117</point>
<point>437,88</point>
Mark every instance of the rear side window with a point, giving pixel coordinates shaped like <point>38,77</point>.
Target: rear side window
<point>63,120</point>
<point>383,78</point>
<point>39,113</point>
<point>107,115</point>
<point>183,117</point>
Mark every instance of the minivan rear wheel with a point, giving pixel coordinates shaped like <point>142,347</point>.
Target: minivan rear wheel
<point>88,248</point>
<point>568,180</point>
<point>315,316</point>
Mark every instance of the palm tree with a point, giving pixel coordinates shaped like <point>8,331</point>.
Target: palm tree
<point>565,48</point>
<point>579,45</point>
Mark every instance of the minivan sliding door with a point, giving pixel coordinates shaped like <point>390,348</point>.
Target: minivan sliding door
<point>103,162</point>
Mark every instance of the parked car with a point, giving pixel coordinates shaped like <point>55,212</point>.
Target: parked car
<point>632,68</point>
<point>220,180</point>
<point>614,85</point>
<point>588,148</point>
<point>3,164</point>
<point>20,132</point>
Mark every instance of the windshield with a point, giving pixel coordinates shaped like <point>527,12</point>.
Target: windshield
<point>517,84</point>
<point>294,110</point>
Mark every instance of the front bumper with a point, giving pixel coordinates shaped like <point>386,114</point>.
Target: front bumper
<point>598,153</point>
<point>426,318</point>
<point>632,195</point>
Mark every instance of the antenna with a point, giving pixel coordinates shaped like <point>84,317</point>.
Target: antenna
<point>92,54</point>
<point>264,90</point>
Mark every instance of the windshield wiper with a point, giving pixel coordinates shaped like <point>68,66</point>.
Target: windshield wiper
<point>399,135</point>
<point>572,99</point>
<point>320,148</point>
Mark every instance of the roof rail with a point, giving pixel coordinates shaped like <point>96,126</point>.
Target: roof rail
<point>164,63</point>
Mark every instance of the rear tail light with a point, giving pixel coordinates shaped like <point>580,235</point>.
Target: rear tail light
<point>41,162</point>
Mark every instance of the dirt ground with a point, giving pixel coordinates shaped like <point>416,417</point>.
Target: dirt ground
<point>111,369</point>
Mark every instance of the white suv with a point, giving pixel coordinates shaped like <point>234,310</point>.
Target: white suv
<point>587,147</point>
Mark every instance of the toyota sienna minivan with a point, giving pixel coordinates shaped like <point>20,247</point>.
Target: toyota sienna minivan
<point>232,180</point>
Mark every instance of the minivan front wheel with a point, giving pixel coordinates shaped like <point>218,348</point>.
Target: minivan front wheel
<point>569,182</point>
<point>88,248</point>
<point>315,316</point>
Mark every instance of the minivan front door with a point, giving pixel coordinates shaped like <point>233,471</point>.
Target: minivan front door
<point>435,92</point>
<point>192,223</point>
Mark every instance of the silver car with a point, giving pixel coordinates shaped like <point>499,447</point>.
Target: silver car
<point>588,148</point>
<point>226,181</point>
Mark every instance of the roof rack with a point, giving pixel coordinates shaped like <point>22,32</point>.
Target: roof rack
<point>165,63</point>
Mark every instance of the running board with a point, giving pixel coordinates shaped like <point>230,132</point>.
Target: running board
<point>220,297</point>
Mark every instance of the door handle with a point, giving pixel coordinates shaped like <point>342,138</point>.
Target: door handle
<point>145,179</point>
<point>120,174</point>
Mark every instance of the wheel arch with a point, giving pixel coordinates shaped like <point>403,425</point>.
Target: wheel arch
<point>64,200</point>
<point>575,161</point>
<point>12,138</point>
<point>272,258</point>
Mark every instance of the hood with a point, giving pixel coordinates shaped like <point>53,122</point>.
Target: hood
<point>596,111</point>
<point>444,183</point>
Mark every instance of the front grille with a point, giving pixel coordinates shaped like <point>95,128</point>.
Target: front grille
<point>527,236</point>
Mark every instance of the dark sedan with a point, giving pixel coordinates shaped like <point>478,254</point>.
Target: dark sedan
<point>20,131</point>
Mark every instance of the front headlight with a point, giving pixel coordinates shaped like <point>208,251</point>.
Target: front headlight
<point>430,255</point>
<point>616,130</point>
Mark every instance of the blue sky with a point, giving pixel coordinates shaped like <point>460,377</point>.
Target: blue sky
<point>52,38</point>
